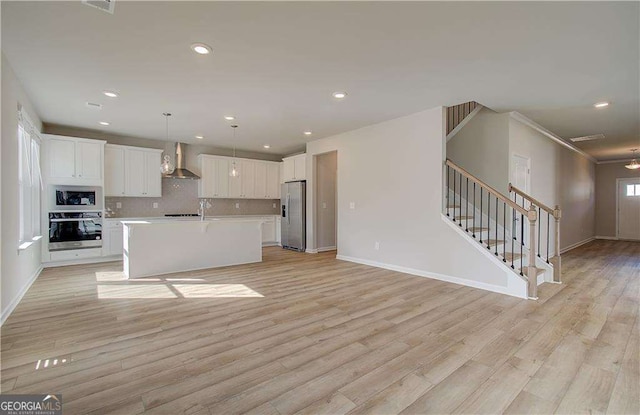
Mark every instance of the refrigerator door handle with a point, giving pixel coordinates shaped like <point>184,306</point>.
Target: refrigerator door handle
<point>289,204</point>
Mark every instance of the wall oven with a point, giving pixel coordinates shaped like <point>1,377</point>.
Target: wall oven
<point>76,198</point>
<point>75,230</point>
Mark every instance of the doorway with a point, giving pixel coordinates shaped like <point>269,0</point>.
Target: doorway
<point>628,208</point>
<point>326,199</point>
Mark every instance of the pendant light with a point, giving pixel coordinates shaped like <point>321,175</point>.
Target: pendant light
<point>234,169</point>
<point>166,167</point>
<point>634,165</point>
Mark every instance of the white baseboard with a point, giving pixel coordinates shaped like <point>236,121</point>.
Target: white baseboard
<point>577,244</point>
<point>326,248</point>
<point>12,305</point>
<point>96,260</point>
<point>432,275</point>
<point>608,238</point>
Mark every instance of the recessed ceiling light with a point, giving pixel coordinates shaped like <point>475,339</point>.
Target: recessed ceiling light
<point>110,94</point>
<point>601,104</point>
<point>199,137</point>
<point>229,117</point>
<point>307,133</point>
<point>103,123</point>
<point>201,48</point>
<point>339,95</point>
<point>266,146</point>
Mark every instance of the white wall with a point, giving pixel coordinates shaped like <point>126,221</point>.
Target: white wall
<point>393,173</point>
<point>326,169</point>
<point>559,176</point>
<point>482,148</point>
<point>18,270</point>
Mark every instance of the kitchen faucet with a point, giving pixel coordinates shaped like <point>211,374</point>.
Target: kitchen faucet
<point>203,206</point>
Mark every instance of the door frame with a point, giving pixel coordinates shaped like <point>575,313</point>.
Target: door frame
<point>618,181</point>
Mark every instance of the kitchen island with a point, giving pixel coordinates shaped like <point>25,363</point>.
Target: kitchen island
<point>155,247</point>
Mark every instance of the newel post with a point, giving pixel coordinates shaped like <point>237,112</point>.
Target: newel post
<point>556,261</point>
<point>532,274</point>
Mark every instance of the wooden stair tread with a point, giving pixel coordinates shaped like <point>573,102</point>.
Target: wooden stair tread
<point>462,217</point>
<point>538,271</point>
<point>509,255</point>
<point>477,229</point>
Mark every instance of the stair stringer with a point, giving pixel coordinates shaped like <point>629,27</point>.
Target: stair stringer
<point>546,276</point>
<point>516,284</point>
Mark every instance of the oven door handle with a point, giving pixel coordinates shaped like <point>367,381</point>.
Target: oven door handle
<point>72,220</point>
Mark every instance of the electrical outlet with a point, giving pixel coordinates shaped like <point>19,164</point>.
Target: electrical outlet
<point>237,205</point>
<point>155,205</point>
<point>376,246</point>
<point>118,205</point>
<point>274,205</point>
<point>324,205</point>
<point>352,205</point>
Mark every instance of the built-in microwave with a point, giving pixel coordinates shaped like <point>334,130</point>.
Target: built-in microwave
<point>76,198</point>
<point>75,230</point>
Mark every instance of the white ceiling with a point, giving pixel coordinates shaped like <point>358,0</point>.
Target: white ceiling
<point>275,66</point>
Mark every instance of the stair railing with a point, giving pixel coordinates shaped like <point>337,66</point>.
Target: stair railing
<point>556,213</point>
<point>497,207</point>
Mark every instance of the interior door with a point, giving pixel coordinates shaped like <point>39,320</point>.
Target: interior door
<point>520,178</point>
<point>629,208</point>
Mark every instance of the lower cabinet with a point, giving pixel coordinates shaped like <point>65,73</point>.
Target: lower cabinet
<point>269,231</point>
<point>112,238</point>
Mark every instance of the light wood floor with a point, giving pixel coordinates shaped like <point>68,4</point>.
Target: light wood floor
<point>310,334</point>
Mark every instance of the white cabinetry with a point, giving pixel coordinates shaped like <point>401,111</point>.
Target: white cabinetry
<point>114,171</point>
<point>132,171</point>
<point>256,180</point>
<point>273,181</point>
<point>214,177</point>
<point>294,168</point>
<point>75,161</point>
<point>269,230</point>
<point>112,238</point>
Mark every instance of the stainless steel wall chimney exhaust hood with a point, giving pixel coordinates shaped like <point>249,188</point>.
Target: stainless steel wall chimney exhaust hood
<point>180,171</point>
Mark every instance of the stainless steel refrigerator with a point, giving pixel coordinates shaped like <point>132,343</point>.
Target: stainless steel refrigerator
<point>293,205</point>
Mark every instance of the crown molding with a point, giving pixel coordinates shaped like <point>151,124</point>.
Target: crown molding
<point>532,124</point>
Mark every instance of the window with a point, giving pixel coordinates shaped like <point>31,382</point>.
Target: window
<point>633,190</point>
<point>29,182</point>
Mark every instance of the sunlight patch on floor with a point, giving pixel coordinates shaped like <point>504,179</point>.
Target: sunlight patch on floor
<point>215,290</point>
<point>135,291</point>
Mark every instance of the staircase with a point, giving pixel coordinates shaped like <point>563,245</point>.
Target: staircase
<point>517,229</point>
<point>458,113</point>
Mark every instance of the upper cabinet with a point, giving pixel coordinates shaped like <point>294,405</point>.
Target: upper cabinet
<point>132,171</point>
<point>74,161</point>
<point>256,179</point>
<point>294,168</point>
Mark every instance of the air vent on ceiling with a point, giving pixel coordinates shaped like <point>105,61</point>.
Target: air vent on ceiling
<point>104,5</point>
<point>587,138</point>
<point>94,106</point>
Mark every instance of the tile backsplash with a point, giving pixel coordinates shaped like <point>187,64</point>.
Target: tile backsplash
<point>181,196</point>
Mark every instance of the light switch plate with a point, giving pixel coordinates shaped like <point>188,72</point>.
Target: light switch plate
<point>155,205</point>
<point>352,205</point>
<point>118,205</point>
<point>324,205</point>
